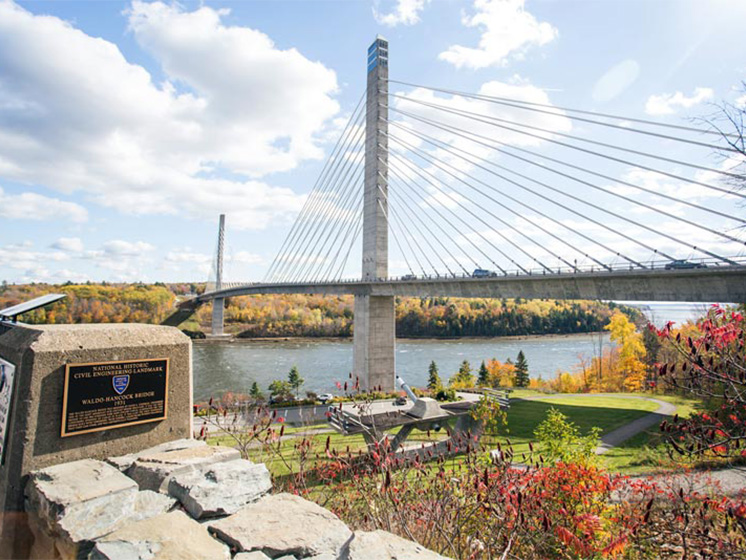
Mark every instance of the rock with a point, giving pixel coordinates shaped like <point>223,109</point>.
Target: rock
<point>283,524</point>
<point>220,488</point>
<point>287,557</point>
<point>152,471</point>
<point>123,462</point>
<point>79,501</point>
<point>170,536</point>
<point>256,555</point>
<point>149,504</point>
<point>322,557</point>
<point>381,545</point>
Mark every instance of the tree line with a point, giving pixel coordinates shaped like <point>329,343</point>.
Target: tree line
<point>312,315</point>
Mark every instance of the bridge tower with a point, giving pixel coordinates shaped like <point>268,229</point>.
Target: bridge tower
<point>218,304</point>
<point>375,336</point>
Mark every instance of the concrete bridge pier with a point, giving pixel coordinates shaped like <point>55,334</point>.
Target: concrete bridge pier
<point>218,308</point>
<point>375,342</point>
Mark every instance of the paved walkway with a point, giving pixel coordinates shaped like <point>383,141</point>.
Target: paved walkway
<point>623,433</point>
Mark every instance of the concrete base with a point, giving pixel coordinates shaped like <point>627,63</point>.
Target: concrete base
<point>33,433</point>
<point>375,342</point>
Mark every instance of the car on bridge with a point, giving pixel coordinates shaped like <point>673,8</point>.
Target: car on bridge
<point>681,264</point>
<point>409,277</point>
<point>482,273</point>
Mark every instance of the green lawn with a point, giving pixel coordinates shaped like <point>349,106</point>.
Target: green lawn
<point>606,412</point>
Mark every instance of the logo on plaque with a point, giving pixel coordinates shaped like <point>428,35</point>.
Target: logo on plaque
<point>120,383</point>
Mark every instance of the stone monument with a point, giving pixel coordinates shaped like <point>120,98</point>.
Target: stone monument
<point>71,392</point>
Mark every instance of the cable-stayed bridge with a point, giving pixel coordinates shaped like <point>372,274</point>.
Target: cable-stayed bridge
<point>440,192</point>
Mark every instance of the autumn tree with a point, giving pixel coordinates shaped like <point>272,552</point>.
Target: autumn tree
<point>463,378</point>
<point>500,374</point>
<point>295,380</point>
<point>433,381</point>
<point>631,367</point>
<point>712,366</point>
<point>521,370</point>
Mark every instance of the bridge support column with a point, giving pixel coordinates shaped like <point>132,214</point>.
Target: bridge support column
<point>218,304</point>
<point>375,342</point>
<point>375,336</point>
<point>218,307</point>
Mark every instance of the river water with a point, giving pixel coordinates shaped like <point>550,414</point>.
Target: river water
<point>234,366</point>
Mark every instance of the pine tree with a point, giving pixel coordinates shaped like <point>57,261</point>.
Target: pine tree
<point>295,380</point>
<point>255,392</point>
<point>484,375</point>
<point>521,370</point>
<point>463,378</point>
<point>433,382</point>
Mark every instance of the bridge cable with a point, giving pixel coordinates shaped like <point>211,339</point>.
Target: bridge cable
<point>355,213</point>
<point>388,224</point>
<point>349,249</point>
<point>321,218</point>
<point>530,221</point>
<point>339,185</point>
<point>328,222</point>
<point>488,120</point>
<point>433,220</point>
<point>406,234</point>
<point>507,100</point>
<point>499,219</point>
<point>413,222</point>
<point>450,149</point>
<point>346,215</point>
<point>470,227</point>
<point>539,212</point>
<point>574,197</point>
<point>308,204</point>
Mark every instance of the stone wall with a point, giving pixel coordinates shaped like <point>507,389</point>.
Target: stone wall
<point>189,501</point>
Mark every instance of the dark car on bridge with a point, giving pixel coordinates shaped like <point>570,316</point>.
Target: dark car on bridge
<point>482,273</point>
<point>681,264</point>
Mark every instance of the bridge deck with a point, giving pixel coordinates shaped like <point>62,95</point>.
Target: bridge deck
<point>721,284</point>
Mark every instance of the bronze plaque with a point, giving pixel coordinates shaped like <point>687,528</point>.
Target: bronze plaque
<point>113,394</point>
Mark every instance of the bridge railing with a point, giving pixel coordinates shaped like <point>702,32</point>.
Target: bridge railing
<point>580,268</point>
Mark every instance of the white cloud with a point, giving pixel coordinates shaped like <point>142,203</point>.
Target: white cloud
<point>68,244</point>
<point>75,115</point>
<point>741,102</point>
<point>406,12</point>
<point>32,206</point>
<point>618,78</point>
<point>507,30</point>
<point>669,103</point>
<point>126,248</point>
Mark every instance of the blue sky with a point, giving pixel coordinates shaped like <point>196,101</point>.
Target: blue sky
<point>127,127</point>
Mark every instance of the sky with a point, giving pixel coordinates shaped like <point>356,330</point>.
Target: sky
<point>126,128</point>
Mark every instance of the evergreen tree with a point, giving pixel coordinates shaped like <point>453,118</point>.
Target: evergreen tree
<point>433,382</point>
<point>463,378</point>
<point>295,380</point>
<point>484,375</point>
<point>521,370</point>
<point>255,392</point>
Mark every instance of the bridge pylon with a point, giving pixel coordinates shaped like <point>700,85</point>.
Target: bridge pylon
<point>218,304</point>
<point>375,330</point>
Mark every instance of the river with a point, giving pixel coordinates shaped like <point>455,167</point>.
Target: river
<point>234,366</point>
